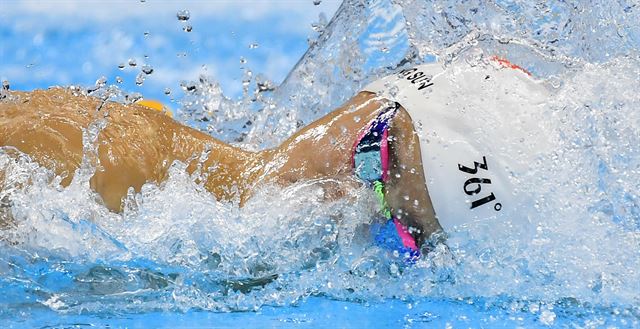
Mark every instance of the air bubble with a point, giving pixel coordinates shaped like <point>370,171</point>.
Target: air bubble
<point>183,15</point>
<point>253,46</point>
<point>167,91</point>
<point>121,66</point>
<point>317,2</point>
<point>132,62</point>
<point>187,28</point>
<point>119,79</point>
<point>146,34</point>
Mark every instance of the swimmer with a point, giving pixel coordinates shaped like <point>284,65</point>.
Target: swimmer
<point>435,159</point>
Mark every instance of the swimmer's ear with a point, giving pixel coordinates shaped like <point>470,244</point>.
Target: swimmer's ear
<point>156,106</point>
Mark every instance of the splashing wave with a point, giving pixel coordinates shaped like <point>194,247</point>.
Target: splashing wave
<point>176,247</point>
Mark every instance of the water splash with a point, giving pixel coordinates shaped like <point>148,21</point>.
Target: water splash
<point>69,253</point>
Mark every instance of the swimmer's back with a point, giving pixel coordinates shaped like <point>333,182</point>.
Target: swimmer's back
<point>137,144</point>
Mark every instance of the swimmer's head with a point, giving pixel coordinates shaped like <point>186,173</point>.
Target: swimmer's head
<point>479,133</point>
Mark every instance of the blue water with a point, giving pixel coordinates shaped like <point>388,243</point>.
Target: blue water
<point>324,312</point>
<point>287,259</point>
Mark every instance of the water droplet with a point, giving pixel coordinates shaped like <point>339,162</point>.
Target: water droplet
<point>243,60</point>
<point>132,62</point>
<point>30,65</point>
<point>143,1</point>
<point>393,269</point>
<point>101,82</point>
<point>188,86</point>
<point>119,79</point>
<point>356,118</point>
<point>265,86</point>
<point>547,317</point>
<point>406,198</point>
<point>182,54</point>
<point>321,24</point>
<point>167,91</point>
<point>5,85</point>
<point>317,2</point>
<point>311,41</point>
<point>253,45</point>
<point>147,69</point>
<point>121,66</point>
<point>187,28</point>
<point>183,15</point>
<point>140,78</point>
<point>146,33</point>
<point>132,98</point>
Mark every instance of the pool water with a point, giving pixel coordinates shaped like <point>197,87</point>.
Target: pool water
<point>176,257</point>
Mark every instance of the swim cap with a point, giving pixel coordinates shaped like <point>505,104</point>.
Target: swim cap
<point>478,135</point>
<point>155,105</point>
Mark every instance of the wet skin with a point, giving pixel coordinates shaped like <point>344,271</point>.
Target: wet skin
<point>139,144</point>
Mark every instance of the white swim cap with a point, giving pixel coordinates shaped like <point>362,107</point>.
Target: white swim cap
<point>478,134</point>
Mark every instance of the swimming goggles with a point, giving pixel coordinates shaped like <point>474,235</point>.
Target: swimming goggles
<point>371,164</point>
